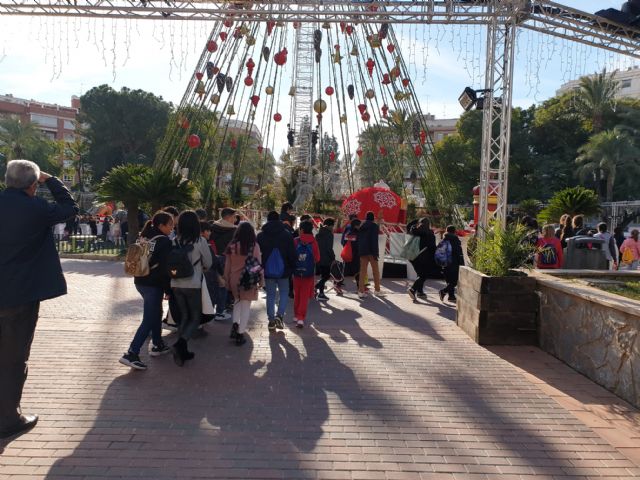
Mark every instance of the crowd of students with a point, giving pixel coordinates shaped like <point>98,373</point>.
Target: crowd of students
<point>620,252</point>
<point>235,263</point>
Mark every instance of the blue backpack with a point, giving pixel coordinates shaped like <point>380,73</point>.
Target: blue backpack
<point>443,255</point>
<point>274,268</point>
<point>305,263</point>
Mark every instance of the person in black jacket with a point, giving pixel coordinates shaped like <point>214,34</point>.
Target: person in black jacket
<point>424,262</point>
<point>30,272</point>
<point>152,288</point>
<point>324,237</point>
<point>452,270</point>
<point>369,253</point>
<point>274,236</point>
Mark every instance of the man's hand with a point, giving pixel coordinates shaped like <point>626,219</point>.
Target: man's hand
<point>43,177</point>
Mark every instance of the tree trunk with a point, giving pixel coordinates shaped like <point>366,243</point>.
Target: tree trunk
<point>611,179</point>
<point>132,220</point>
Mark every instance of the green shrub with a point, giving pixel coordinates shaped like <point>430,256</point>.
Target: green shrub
<point>503,250</point>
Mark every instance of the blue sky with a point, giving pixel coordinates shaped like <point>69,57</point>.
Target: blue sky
<point>52,59</point>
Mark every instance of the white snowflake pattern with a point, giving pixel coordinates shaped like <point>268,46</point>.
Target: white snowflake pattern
<point>352,207</point>
<point>385,199</point>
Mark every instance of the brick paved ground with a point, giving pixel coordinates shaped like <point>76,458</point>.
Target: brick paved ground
<point>379,390</point>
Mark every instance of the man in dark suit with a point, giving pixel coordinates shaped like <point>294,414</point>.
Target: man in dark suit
<point>30,272</point>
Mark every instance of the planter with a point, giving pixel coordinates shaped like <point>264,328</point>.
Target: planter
<point>497,310</point>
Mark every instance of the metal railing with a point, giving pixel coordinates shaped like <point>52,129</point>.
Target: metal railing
<point>90,244</point>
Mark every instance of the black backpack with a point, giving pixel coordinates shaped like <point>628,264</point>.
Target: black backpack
<point>178,263</point>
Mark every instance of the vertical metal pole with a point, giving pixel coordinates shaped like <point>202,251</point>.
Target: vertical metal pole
<point>496,121</point>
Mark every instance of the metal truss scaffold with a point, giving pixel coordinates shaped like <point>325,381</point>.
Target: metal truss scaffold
<point>547,17</point>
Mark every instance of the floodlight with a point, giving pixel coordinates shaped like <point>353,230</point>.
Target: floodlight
<point>468,99</point>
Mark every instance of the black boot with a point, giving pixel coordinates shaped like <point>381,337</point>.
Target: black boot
<point>179,351</point>
<point>240,340</point>
<point>234,331</point>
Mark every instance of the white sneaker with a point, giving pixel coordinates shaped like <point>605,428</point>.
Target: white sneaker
<point>362,295</point>
<point>219,317</point>
<point>380,294</point>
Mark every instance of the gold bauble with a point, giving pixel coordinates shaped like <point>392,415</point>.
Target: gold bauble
<point>319,106</point>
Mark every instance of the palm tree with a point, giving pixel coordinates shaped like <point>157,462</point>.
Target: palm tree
<point>573,201</point>
<point>161,187</point>
<point>20,139</point>
<point>124,184</point>
<point>604,154</point>
<point>596,98</point>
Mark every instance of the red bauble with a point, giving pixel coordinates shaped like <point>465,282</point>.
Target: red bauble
<point>349,29</point>
<point>212,46</point>
<point>199,75</point>
<point>332,156</point>
<point>193,141</point>
<point>362,107</point>
<point>270,25</point>
<point>277,117</point>
<point>248,81</point>
<point>254,100</point>
<point>260,148</point>
<point>223,36</point>
<point>185,124</point>
<point>383,151</point>
<point>405,82</point>
<point>329,91</point>
<point>233,143</point>
<point>417,150</point>
<point>228,23</point>
<point>391,48</point>
<point>366,117</point>
<point>359,152</point>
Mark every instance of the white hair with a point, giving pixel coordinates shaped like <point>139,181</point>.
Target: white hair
<point>21,174</point>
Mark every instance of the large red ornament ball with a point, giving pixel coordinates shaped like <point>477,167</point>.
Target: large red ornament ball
<point>248,81</point>
<point>417,150</point>
<point>223,36</point>
<point>212,46</point>
<point>193,141</point>
<point>391,48</point>
<point>260,148</point>
<point>329,90</point>
<point>366,117</point>
<point>405,82</point>
<point>277,117</point>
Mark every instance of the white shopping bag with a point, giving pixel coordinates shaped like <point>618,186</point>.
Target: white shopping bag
<point>207,304</point>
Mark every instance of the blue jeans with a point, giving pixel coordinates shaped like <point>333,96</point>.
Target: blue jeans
<point>151,318</point>
<point>221,299</point>
<point>283,288</point>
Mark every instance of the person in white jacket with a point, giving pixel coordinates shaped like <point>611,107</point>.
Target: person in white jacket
<point>609,248</point>
<point>187,291</point>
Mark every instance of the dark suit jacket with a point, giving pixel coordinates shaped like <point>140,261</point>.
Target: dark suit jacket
<point>30,268</point>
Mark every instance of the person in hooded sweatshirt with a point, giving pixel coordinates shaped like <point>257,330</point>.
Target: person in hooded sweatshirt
<point>278,262</point>
<point>324,237</point>
<point>369,253</point>
<point>222,232</point>
<point>452,270</point>
<point>303,279</point>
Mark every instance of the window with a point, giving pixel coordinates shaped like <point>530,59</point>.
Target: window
<point>69,125</point>
<point>67,178</point>
<point>49,135</point>
<point>44,120</point>
<point>69,137</point>
<point>625,84</point>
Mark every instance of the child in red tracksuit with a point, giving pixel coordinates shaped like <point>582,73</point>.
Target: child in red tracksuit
<point>307,255</point>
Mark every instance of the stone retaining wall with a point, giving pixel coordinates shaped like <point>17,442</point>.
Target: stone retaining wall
<point>593,331</point>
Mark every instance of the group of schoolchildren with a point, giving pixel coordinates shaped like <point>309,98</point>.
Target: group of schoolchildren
<point>191,262</point>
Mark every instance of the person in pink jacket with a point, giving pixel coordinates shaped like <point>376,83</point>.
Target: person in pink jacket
<point>632,245</point>
<point>304,272</point>
<point>242,245</point>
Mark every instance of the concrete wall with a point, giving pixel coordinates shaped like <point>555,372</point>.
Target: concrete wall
<point>593,331</point>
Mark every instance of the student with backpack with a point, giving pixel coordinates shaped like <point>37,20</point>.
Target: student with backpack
<point>548,249</point>
<point>278,261</point>
<point>152,286</point>
<point>324,238</point>
<point>243,275</point>
<point>610,248</point>
<point>307,255</point>
<point>423,262</point>
<point>188,258</point>
<point>450,257</point>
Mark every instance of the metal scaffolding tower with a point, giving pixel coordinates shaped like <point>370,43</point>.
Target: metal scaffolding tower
<point>302,109</point>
